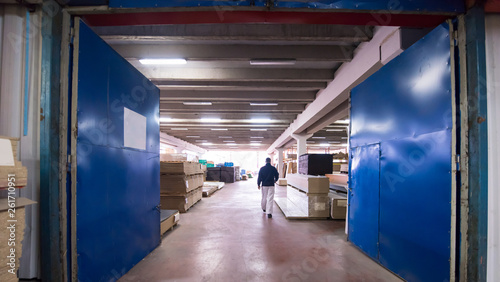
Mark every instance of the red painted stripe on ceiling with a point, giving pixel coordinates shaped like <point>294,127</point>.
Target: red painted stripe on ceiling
<point>214,17</point>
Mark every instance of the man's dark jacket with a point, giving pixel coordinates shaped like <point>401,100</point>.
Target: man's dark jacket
<point>268,175</point>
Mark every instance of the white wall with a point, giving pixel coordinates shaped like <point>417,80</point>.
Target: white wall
<point>493,85</point>
<point>12,86</point>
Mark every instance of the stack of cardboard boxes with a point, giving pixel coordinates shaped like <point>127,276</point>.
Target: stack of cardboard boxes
<point>180,185</point>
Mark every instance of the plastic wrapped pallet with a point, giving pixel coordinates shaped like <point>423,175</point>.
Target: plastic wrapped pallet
<point>213,173</point>
<point>316,164</point>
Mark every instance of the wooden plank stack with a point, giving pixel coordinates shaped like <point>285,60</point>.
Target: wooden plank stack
<point>7,260</point>
<point>20,172</point>
<point>180,185</point>
<point>307,197</point>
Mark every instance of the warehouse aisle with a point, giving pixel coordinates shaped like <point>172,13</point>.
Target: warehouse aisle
<point>227,237</point>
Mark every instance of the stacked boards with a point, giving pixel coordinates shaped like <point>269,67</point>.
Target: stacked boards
<point>211,187</point>
<point>16,172</point>
<point>168,219</point>
<point>180,185</point>
<point>307,197</point>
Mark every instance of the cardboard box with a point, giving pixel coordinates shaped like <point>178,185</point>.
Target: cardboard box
<point>179,184</point>
<point>313,205</point>
<point>309,183</point>
<point>338,205</point>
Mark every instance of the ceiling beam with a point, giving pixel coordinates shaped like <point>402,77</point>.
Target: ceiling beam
<point>239,85</point>
<point>179,143</point>
<point>369,58</point>
<point>210,95</point>
<point>232,107</point>
<point>227,74</point>
<point>236,52</point>
<point>330,34</point>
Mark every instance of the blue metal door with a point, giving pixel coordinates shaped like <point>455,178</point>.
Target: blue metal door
<point>406,107</point>
<point>364,198</point>
<point>116,193</point>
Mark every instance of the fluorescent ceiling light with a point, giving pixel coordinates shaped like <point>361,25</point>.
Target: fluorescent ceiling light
<point>334,142</point>
<point>334,130</point>
<point>324,144</point>
<point>255,141</point>
<point>200,141</point>
<point>219,129</point>
<point>258,129</point>
<point>166,119</point>
<point>263,104</point>
<point>261,120</point>
<point>229,141</point>
<point>342,121</point>
<point>233,147</point>
<point>272,62</point>
<point>257,137</point>
<point>310,142</point>
<point>197,103</point>
<point>231,144</point>
<point>178,128</point>
<point>344,137</point>
<point>222,137</point>
<point>163,61</point>
<point>206,144</point>
<point>318,137</point>
<point>210,120</point>
<point>255,144</point>
<point>192,136</point>
<point>345,145</point>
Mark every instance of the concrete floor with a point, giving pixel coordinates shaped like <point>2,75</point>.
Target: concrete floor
<point>227,237</point>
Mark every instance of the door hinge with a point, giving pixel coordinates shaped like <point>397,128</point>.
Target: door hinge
<point>71,35</point>
<point>68,164</point>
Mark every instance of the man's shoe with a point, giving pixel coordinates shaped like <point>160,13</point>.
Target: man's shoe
<point>269,216</point>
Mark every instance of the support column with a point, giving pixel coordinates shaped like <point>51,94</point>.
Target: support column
<point>301,143</point>
<point>50,189</point>
<point>280,161</point>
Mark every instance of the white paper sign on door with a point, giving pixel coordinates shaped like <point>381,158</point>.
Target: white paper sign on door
<point>134,130</point>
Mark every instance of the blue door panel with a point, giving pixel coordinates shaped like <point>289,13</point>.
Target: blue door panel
<point>406,108</point>
<point>117,196</point>
<point>414,206</point>
<point>135,98</point>
<point>364,198</point>
<point>409,96</point>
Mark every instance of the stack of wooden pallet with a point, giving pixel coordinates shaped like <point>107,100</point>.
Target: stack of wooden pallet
<point>180,185</point>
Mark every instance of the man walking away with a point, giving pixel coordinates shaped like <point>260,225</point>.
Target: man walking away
<point>268,175</point>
